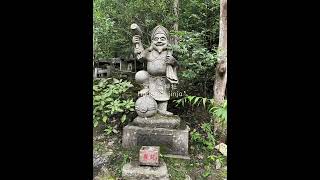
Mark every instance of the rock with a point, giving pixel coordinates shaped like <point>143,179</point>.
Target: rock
<point>199,156</point>
<point>99,160</point>
<point>218,164</point>
<point>104,174</point>
<point>110,143</point>
<point>99,137</point>
<point>222,148</point>
<point>109,152</point>
<point>132,171</point>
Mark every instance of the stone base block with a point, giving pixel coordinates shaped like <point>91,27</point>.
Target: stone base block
<point>158,121</point>
<point>171,141</point>
<point>132,171</point>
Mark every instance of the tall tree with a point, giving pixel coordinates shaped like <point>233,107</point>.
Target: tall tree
<point>221,68</point>
<point>176,23</point>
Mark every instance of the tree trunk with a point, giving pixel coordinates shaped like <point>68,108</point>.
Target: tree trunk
<point>94,48</point>
<point>176,23</point>
<point>221,68</point>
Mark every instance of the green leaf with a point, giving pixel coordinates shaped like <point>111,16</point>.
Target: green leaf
<point>97,98</point>
<point>95,88</point>
<point>178,102</point>
<point>104,119</point>
<point>123,118</point>
<point>115,80</point>
<point>211,157</point>
<point>196,100</point>
<point>115,131</point>
<point>95,124</point>
<point>211,101</point>
<point>206,174</point>
<point>190,98</point>
<point>108,130</point>
<point>204,100</point>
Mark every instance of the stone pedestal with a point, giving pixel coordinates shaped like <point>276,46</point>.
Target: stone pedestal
<point>132,171</point>
<point>171,141</point>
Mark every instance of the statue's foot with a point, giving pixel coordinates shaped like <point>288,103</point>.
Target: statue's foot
<point>166,113</point>
<point>143,92</point>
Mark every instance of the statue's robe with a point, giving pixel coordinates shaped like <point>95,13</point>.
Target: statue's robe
<point>161,75</point>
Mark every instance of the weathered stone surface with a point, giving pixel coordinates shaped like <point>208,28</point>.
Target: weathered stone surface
<point>161,70</point>
<point>146,106</point>
<point>159,121</point>
<point>132,171</point>
<point>171,141</point>
<point>103,174</point>
<point>149,155</point>
<point>176,156</point>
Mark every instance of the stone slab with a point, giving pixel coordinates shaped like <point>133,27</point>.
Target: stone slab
<point>132,171</point>
<point>159,121</point>
<point>171,141</point>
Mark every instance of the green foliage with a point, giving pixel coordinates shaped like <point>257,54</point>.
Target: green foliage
<point>198,34</point>
<point>218,112</point>
<point>111,101</point>
<point>112,20</point>
<point>201,16</point>
<point>112,35</point>
<point>195,59</point>
<point>205,137</point>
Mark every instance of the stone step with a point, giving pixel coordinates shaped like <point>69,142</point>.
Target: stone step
<point>132,171</point>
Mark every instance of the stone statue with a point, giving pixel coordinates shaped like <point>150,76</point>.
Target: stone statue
<point>155,125</point>
<point>161,71</point>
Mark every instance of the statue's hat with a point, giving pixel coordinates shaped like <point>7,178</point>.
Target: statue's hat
<point>160,30</point>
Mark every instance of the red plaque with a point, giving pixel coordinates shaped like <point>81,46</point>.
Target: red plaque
<point>149,155</point>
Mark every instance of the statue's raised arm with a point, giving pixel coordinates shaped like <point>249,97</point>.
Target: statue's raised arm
<point>136,40</point>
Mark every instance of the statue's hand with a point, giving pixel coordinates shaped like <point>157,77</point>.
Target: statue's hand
<point>143,92</point>
<point>170,59</point>
<point>136,39</point>
<point>138,46</point>
<point>138,50</point>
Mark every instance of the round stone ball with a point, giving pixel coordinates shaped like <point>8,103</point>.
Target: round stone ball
<point>146,106</point>
<point>142,76</point>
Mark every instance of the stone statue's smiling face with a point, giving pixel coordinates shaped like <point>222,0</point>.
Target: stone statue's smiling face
<point>160,40</point>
